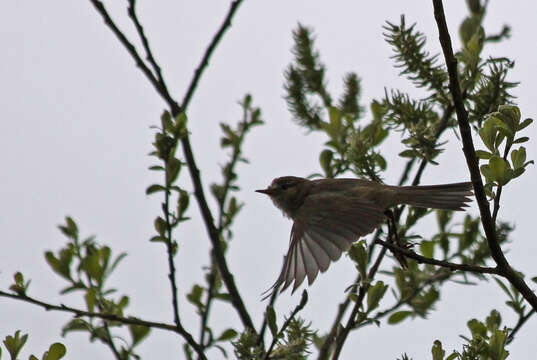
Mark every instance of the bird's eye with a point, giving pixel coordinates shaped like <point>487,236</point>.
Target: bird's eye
<point>285,186</point>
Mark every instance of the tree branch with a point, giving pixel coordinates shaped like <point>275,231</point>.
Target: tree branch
<point>471,160</point>
<point>351,322</point>
<point>521,321</point>
<point>145,43</point>
<point>209,51</point>
<point>439,276</point>
<point>110,317</point>
<point>99,6</point>
<point>176,109</point>
<point>299,307</point>
<point>446,264</point>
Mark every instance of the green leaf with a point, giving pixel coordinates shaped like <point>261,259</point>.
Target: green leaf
<point>399,316</point>
<point>437,351</point>
<point>518,157</point>
<point>194,297</point>
<point>487,173</point>
<point>15,343</point>
<point>427,248</point>
<point>335,119</point>
<point>160,225</point>
<point>180,125</point>
<point>325,159</point>
<point>499,169</point>
<point>60,266</point>
<point>483,154</point>
<point>70,229</point>
<point>174,166</point>
<point>524,124</point>
<point>55,352</point>
<point>91,265</point>
<point>138,333</point>
<point>511,116</point>
<point>375,294</point>
<point>158,238</point>
<point>497,345</point>
<point>521,140</point>
<point>76,325</point>
<point>271,320</point>
<point>154,188</point>
<point>409,154</point>
<point>166,121</point>
<point>494,320</point>
<point>228,334</point>
<point>477,328</point>
<point>91,298</point>
<point>358,254</point>
<point>182,203</point>
<point>489,131</point>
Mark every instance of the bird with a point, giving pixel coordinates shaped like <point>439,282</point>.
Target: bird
<point>329,215</point>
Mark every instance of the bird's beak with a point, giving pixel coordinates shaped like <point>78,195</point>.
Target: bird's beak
<point>266,191</point>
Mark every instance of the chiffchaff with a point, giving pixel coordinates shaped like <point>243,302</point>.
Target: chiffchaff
<point>330,214</point>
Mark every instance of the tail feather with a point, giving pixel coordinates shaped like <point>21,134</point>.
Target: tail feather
<point>444,197</point>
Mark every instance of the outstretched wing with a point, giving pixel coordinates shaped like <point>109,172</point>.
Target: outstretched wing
<point>321,237</point>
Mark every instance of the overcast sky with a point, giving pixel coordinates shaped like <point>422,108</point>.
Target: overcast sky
<point>74,136</point>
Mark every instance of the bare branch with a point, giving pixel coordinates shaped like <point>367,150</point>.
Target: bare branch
<point>209,51</point>
<point>446,264</point>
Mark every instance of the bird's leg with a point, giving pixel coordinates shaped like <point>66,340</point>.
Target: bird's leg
<point>392,233</point>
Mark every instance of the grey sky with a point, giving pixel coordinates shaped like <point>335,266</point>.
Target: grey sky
<point>74,133</point>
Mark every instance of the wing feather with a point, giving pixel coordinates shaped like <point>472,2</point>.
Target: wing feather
<point>320,237</point>
<point>330,249</point>
<point>322,258</point>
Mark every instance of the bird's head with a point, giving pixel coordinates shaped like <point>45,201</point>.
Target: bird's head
<point>287,193</point>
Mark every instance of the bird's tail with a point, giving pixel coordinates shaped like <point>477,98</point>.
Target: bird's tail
<point>444,197</point>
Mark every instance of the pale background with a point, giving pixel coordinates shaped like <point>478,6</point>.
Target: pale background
<point>74,133</point>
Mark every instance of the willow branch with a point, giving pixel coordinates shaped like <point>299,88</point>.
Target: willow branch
<point>521,321</point>
<point>110,317</point>
<point>176,109</point>
<point>209,51</point>
<point>472,162</point>
<point>442,263</point>
<point>299,307</point>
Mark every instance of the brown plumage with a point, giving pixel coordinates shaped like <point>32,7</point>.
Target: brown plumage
<point>330,214</point>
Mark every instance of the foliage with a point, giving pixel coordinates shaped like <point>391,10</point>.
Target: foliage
<point>354,145</point>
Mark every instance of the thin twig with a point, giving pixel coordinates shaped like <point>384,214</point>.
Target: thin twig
<point>351,322</point>
<point>439,276</point>
<point>299,307</point>
<point>446,264</point>
<point>471,160</point>
<point>264,324</point>
<point>207,305</point>
<point>99,6</point>
<point>170,248</point>
<point>176,109</point>
<point>521,321</point>
<point>209,51</point>
<point>498,195</point>
<point>110,317</point>
<point>145,43</point>
<point>109,341</point>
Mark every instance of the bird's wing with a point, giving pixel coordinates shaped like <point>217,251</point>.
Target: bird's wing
<point>321,237</point>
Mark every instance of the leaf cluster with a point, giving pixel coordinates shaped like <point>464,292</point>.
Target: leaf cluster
<point>15,343</point>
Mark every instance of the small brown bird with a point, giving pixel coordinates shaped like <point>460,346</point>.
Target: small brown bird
<point>330,214</point>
